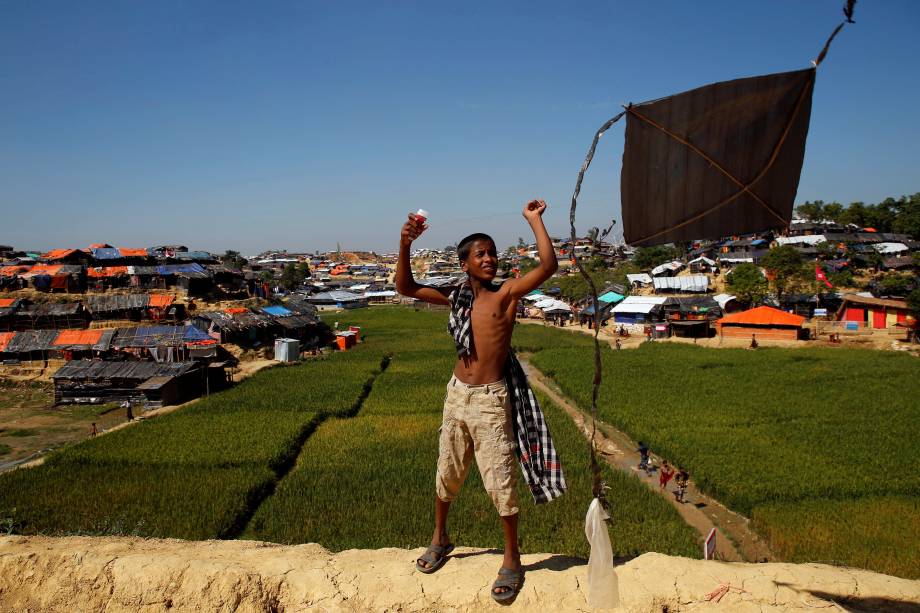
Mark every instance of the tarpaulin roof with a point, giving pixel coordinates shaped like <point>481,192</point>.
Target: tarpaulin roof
<point>32,340</point>
<point>100,246</point>
<point>807,239</point>
<point>160,301</point>
<point>723,299</point>
<point>277,311</point>
<point>154,336</point>
<point>127,252</point>
<point>116,302</point>
<point>52,308</point>
<point>612,297</point>
<point>12,271</point>
<point>234,310</point>
<point>80,337</point>
<point>174,269</point>
<point>714,161</point>
<point>5,338</point>
<point>763,316</point>
<point>687,283</point>
<point>639,304</point>
<point>140,371</point>
<point>641,277</point>
<point>296,322</point>
<point>106,271</point>
<point>60,254</point>
<point>8,302</point>
<point>667,267</point>
<point>105,253</point>
<point>42,269</point>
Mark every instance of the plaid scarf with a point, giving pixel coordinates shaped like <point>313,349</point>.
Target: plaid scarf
<point>535,450</point>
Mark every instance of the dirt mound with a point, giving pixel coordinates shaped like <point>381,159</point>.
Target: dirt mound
<point>132,574</point>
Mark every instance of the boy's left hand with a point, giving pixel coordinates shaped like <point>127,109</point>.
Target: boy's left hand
<point>533,210</point>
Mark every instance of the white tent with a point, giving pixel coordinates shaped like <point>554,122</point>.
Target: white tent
<point>810,239</point>
<point>687,283</point>
<point>642,278</point>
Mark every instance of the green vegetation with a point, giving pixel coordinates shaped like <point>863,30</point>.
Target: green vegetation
<point>815,445</point>
<point>876,533</point>
<point>196,473</point>
<point>5,449</point>
<point>769,431</point>
<point>889,215</point>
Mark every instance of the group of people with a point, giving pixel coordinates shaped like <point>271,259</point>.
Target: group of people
<point>665,474</point>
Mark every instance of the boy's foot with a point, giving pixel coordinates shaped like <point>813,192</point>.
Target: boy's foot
<point>508,584</point>
<point>433,558</point>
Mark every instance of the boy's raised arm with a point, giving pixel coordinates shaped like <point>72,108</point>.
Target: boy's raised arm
<point>405,282</point>
<point>533,213</point>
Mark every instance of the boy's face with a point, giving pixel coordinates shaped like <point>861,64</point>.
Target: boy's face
<point>482,262</point>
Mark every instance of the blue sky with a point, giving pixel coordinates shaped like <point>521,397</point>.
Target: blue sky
<point>300,125</point>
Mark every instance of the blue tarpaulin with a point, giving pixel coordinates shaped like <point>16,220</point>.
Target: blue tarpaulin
<point>277,311</point>
<point>174,269</point>
<point>611,297</point>
<point>106,253</point>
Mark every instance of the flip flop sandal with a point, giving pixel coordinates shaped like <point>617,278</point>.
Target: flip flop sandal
<point>508,578</point>
<point>435,556</point>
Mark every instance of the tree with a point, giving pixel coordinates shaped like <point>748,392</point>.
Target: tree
<point>898,284</point>
<point>783,264</point>
<point>908,216</point>
<point>832,211</point>
<point>233,259</point>
<point>812,211</point>
<point>293,275</point>
<point>913,302</point>
<point>650,257</point>
<point>747,283</point>
<point>854,214</point>
<point>266,276</point>
<point>521,244</point>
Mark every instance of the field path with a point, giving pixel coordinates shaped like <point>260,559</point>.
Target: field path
<point>735,540</point>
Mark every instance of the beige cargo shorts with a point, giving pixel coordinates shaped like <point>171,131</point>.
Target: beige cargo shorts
<point>477,422</point>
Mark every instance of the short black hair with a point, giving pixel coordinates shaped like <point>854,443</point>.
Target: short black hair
<point>466,243</point>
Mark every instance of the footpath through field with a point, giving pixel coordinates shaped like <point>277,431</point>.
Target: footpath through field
<point>620,452</point>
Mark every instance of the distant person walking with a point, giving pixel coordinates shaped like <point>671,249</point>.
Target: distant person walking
<point>619,345</point>
<point>754,344</point>
<point>681,481</point>
<point>93,432</point>
<point>665,475</point>
<point>643,456</point>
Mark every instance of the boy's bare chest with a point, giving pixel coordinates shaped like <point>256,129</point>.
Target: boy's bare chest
<point>492,312</point>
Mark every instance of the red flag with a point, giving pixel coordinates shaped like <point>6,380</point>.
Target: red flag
<point>820,276</point>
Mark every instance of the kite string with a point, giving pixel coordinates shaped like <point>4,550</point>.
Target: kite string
<point>598,487</point>
<point>848,13</point>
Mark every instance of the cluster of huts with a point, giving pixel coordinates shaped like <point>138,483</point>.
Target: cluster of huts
<point>101,267</point>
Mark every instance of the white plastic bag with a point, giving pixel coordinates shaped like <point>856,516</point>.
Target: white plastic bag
<point>603,588</point>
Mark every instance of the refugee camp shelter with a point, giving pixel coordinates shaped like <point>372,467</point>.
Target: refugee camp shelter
<point>875,313</point>
<point>683,284</point>
<point>77,344</point>
<point>763,321</point>
<point>147,383</point>
<point>690,316</point>
<point>239,326</point>
<point>702,264</point>
<point>339,298</point>
<point>49,315</point>
<point>638,309</point>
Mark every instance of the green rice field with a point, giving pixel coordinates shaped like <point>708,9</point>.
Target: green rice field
<point>362,428</point>
<point>817,446</point>
<point>801,440</point>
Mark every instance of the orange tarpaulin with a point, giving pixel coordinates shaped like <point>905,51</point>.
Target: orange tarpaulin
<point>5,338</point>
<point>160,301</point>
<point>78,337</point>
<point>43,269</point>
<point>59,254</point>
<point>763,316</point>
<point>236,310</point>
<point>11,271</point>
<point>107,271</point>
<point>7,302</point>
<point>131,253</point>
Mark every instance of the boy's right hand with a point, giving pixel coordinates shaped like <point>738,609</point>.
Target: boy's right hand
<point>411,230</point>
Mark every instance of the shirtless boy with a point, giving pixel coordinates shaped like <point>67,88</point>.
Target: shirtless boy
<point>481,410</point>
